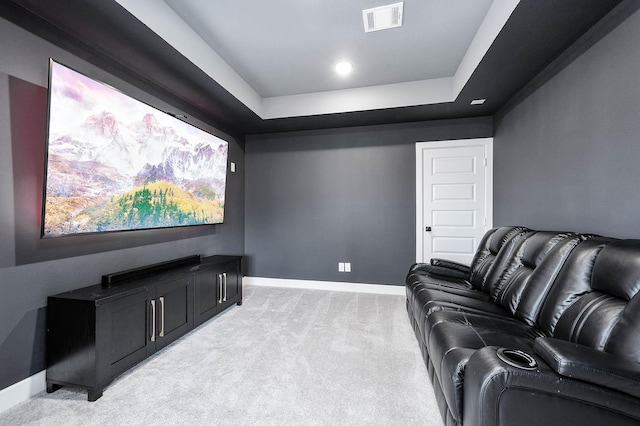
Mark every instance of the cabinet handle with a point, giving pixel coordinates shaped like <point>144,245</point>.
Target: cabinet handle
<point>153,320</point>
<point>224,298</point>
<point>161,334</point>
<point>219,288</point>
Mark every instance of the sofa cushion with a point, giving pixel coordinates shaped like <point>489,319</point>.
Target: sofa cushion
<point>608,318</point>
<point>530,274</point>
<point>617,269</point>
<point>444,302</point>
<point>590,320</point>
<point>435,301</point>
<point>494,251</point>
<point>418,293</point>
<point>573,281</point>
<point>456,329</point>
<point>417,280</point>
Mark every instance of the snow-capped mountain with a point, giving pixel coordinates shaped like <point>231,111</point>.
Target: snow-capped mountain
<point>143,150</point>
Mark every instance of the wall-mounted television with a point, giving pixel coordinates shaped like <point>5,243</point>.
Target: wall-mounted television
<point>116,164</point>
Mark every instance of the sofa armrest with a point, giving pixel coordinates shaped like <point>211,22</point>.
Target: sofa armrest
<point>590,365</point>
<point>496,393</point>
<point>450,264</point>
<point>440,271</point>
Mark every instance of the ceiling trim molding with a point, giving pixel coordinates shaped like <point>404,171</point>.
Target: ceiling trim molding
<point>423,92</point>
<point>161,19</point>
<point>497,16</point>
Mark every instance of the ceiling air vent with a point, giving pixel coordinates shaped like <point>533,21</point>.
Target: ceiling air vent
<point>383,17</point>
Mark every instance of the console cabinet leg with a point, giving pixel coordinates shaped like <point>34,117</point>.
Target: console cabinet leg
<point>93,395</point>
<point>51,387</point>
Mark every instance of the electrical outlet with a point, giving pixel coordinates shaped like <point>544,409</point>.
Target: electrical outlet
<point>341,267</point>
<point>347,267</point>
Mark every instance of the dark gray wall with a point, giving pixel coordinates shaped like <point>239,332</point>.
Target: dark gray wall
<point>32,269</point>
<point>317,198</point>
<point>567,157</point>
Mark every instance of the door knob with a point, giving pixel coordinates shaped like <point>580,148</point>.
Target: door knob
<point>427,229</point>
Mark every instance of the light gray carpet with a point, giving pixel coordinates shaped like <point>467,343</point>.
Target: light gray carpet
<point>285,357</point>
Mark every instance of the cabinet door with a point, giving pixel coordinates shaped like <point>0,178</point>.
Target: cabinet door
<point>122,334</point>
<point>174,316</point>
<point>207,294</point>
<point>231,284</point>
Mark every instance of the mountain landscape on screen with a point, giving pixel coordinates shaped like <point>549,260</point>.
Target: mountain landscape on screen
<point>115,163</point>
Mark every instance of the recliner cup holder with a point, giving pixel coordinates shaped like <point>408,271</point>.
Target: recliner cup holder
<point>517,358</point>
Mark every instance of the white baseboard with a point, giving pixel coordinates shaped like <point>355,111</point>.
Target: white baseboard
<point>325,285</point>
<point>22,391</point>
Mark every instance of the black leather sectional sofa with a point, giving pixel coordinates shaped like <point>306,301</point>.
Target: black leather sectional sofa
<point>542,328</point>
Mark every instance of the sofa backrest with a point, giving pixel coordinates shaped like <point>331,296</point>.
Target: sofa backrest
<point>530,273</point>
<point>573,282</point>
<point>493,252</point>
<point>608,317</point>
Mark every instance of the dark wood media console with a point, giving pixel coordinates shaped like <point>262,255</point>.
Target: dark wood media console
<point>95,333</point>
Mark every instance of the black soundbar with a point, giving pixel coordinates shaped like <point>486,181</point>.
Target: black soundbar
<point>117,277</point>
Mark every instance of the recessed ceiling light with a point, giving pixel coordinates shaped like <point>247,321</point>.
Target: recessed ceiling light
<point>343,67</point>
<point>478,101</point>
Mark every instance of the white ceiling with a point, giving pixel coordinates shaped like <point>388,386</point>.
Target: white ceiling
<point>277,56</point>
<point>285,52</point>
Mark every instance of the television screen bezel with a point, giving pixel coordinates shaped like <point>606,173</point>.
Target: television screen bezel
<point>43,235</point>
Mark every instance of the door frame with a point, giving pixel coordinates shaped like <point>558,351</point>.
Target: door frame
<point>487,143</point>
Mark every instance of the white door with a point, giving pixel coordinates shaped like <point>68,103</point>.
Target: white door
<point>454,198</point>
